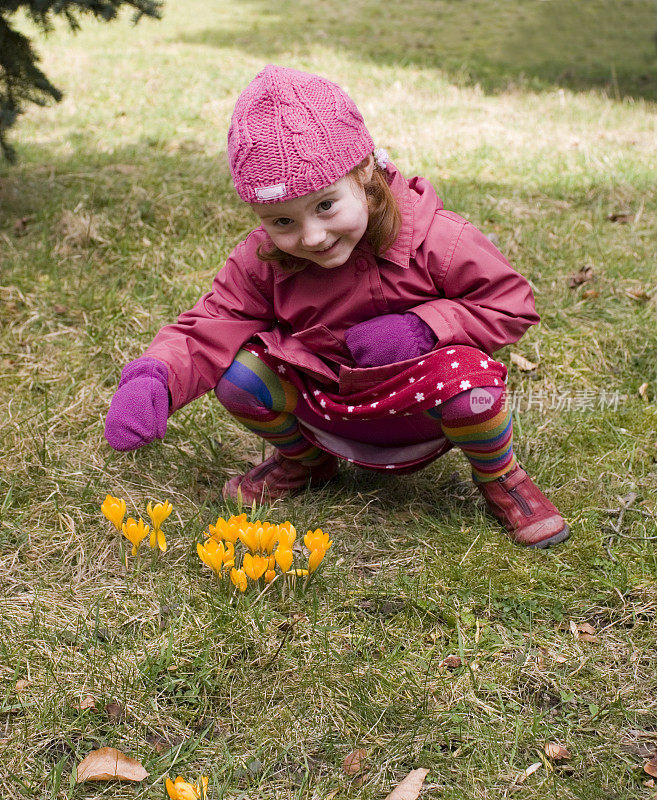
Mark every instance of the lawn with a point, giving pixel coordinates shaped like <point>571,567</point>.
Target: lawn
<point>536,121</point>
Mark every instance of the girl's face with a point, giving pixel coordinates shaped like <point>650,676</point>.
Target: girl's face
<point>323,227</point>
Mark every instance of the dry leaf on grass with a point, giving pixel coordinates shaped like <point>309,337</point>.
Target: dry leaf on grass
<point>22,685</point>
<point>522,776</point>
<point>109,764</point>
<point>651,766</point>
<point>410,787</point>
<point>354,762</point>
<point>643,391</point>
<point>87,702</point>
<point>583,275</point>
<point>621,217</point>
<point>523,364</point>
<point>556,752</point>
<point>451,662</point>
<point>114,711</point>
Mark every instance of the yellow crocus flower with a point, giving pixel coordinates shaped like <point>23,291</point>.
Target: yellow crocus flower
<point>287,534</point>
<point>135,532</point>
<point>180,789</point>
<point>254,566</point>
<point>217,555</point>
<point>248,537</point>
<point>159,512</point>
<point>317,540</point>
<point>300,573</point>
<point>284,557</point>
<point>316,558</point>
<point>238,577</point>
<point>114,509</point>
<point>270,575</point>
<point>157,540</point>
<point>268,536</point>
<point>227,529</point>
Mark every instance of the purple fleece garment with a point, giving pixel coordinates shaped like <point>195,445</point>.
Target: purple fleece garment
<point>389,339</point>
<point>139,409</point>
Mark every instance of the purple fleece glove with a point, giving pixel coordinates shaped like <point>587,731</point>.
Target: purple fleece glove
<point>389,339</point>
<point>140,406</point>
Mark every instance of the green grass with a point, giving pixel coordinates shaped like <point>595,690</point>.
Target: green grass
<point>535,120</point>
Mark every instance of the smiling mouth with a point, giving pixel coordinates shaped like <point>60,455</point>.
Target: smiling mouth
<point>326,249</point>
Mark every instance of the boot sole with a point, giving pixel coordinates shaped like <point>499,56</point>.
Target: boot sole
<point>557,538</point>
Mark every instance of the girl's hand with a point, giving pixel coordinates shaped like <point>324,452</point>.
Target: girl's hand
<point>140,407</point>
<point>389,339</point>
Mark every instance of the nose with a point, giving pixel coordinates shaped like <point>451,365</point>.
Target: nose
<point>312,235</point>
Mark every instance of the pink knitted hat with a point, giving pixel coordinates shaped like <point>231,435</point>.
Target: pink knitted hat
<point>293,133</point>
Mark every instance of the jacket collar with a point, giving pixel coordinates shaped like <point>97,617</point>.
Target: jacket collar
<point>417,202</point>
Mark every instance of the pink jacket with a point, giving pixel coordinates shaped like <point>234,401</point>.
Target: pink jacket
<point>440,267</point>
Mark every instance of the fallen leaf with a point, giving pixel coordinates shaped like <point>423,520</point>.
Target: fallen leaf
<point>589,294</point>
<point>109,764</point>
<point>114,711</point>
<point>583,275</point>
<point>574,629</point>
<point>22,685</point>
<point>87,702</point>
<point>651,766</point>
<point>354,762</point>
<point>649,783</point>
<point>637,294</point>
<point>60,309</point>
<point>620,217</point>
<point>643,391</point>
<point>522,777</point>
<point>585,627</point>
<point>588,637</point>
<point>451,662</point>
<point>161,744</point>
<point>410,787</point>
<point>523,364</point>
<point>556,751</point>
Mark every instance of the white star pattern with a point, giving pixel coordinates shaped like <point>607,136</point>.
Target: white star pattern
<point>411,380</point>
<point>392,394</point>
<point>392,411</point>
<point>281,369</point>
<point>322,403</point>
<point>484,364</point>
<point>454,364</point>
<point>419,363</point>
<point>466,385</point>
<point>419,397</point>
<point>350,409</point>
<point>449,352</point>
<point>496,381</point>
<point>326,416</point>
<point>390,466</point>
<point>374,405</point>
<point>438,402</point>
<point>439,386</point>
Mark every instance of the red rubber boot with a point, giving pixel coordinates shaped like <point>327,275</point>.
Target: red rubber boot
<point>529,517</point>
<point>279,476</point>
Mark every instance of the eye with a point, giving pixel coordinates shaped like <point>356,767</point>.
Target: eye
<point>282,222</point>
<point>325,205</point>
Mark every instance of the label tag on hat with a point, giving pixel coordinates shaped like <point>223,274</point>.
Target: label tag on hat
<point>270,192</point>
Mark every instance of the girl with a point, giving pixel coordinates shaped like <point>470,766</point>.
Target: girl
<point>356,322</point>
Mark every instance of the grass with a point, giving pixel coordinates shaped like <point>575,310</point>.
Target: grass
<point>536,120</point>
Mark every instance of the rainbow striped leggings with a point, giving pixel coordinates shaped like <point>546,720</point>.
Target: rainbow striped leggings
<point>271,406</point>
